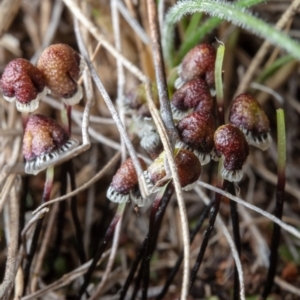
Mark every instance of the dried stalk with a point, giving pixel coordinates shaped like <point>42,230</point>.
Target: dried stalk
<point>8,11</point>
<point>292,230</point>
<point>12,249</point>
<point>98,176</point>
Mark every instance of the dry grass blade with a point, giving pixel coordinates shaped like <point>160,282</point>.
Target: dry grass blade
<point>288,228</point>
<point>8,11</point>
<point>65,280</point>
<point>100,174</point>
<point>115,116</point>
<point>12,249</point>
<point>6,189</point>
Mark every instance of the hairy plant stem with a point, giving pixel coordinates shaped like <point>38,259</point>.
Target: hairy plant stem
<point>236,236</point>
<point>156,227</point>
<point>280,197</point>
<point>197,35</point>
<point>101,248</point>
<point>38,228</point>
<point>229,12</point>
<point>175,269</point>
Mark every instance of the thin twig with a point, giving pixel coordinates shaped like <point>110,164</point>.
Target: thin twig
<point>64,280</point>
<point>98,136</point>
<point>51,30</point>
<point>235,256</point>
<point>40,214</point>
<point>287,286</point>
<point>91,193</point>
<point>271,177</point>
<point>12,249</point>
<point>292,230</point>
<point>44,247</point>
<point>165,108</point>
<point>8,10</point>
<point>161,11</point>
<point>140,32</point>
<point>34,243</point>
<point>120,69</point>
<point>86,185</point>
<point>115,115</point>
<point>260,246</point>
<point>6,189</point>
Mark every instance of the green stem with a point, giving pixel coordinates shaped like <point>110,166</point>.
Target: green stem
<point>274,67</point>
<point>281,137</point>
<point>193,25</point>
<point>219,83</point>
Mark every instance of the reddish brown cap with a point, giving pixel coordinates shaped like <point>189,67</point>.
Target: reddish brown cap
<point>249,116</point>
<point>44,142</point>
<point>188,168</point>
<point>231,144</point>
<point>193,95</point>
<point>23,82</point>
<point>61,66</point>
<point>196,132</point>
<point>199,62</point>
<point>124,181</point>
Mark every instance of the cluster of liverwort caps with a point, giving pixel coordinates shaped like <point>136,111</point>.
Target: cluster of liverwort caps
<point>199,140</point>
<point>57,71</point>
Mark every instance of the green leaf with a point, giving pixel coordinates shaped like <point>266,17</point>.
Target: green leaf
<point>199,33</point>
<point>231,13</point>
<point>275,66</point>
